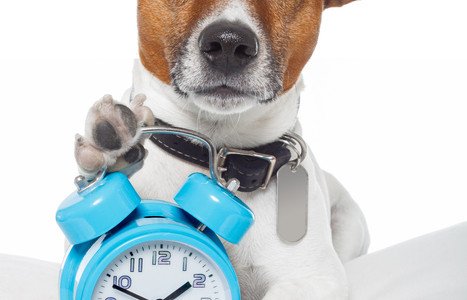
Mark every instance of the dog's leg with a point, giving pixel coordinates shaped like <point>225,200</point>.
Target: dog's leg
<point>306,270</point>
<point>307,288</point>
<point>112,136</point>
<point>320,276</point>
<point>349,230</point>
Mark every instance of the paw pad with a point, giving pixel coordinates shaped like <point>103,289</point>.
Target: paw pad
<point>112,135</point>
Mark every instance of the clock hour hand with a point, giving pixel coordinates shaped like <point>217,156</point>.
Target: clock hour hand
<point>136,296</point>
<point>179,291</point>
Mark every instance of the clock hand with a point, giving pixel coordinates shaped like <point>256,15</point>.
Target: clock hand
<point>116,287</point>
<point>179,291</point>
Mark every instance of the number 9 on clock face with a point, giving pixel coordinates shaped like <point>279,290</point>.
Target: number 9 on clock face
<point>162,270</point>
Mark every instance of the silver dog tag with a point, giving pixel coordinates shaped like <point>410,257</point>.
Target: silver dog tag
<point>292,203</point>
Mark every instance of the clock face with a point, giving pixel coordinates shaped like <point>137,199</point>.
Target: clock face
<point>162,270</point>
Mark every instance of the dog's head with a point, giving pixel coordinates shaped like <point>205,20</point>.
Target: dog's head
<point>227,56</point>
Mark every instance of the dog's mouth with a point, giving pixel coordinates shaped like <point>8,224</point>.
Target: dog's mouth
<point>222,92</point>
<point>224,98</point>
<point>220,99</point>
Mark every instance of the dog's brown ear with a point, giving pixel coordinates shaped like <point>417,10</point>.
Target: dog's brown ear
<point>336,3</point>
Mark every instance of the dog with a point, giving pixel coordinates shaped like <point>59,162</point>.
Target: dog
<point>230,69</point>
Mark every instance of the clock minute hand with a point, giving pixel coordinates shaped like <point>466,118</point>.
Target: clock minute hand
<point>179,291</point>
<point>136,296</point>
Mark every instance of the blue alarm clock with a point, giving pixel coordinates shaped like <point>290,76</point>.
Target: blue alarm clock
<point>127,248</point>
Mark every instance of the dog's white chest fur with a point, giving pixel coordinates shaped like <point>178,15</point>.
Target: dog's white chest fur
<point>163,175</point>
<point>267,267</point>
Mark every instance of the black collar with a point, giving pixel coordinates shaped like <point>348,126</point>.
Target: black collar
<point>252,167</point>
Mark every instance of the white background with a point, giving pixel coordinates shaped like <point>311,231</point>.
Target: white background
<point>384,109</point>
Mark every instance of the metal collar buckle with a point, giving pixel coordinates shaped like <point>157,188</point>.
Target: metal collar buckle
<point>225,152</point>
<point>292,141</point>
<point>295,143</point>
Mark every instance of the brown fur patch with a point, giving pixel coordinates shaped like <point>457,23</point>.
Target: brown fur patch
<point>163,26</point>
<point>292,27</point>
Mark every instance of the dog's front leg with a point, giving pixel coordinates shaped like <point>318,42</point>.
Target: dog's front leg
<point>307,288</point>
<point>309,269</point>
<point>325,281</point>
<point>349,230</point>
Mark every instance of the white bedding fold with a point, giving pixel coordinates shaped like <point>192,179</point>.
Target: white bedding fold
<point>432,267</point>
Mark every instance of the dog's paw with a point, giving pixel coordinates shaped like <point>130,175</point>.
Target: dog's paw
<point>90,159</point>
<point>111,127</point>
<point>112,135</point>
<point>143,114</point>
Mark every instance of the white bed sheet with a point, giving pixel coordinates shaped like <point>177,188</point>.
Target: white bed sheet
<point>432,267</point>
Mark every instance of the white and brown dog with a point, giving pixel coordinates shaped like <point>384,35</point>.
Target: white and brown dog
<point>230,69</point>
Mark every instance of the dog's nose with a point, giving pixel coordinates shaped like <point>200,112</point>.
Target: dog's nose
<point>228,46</point>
